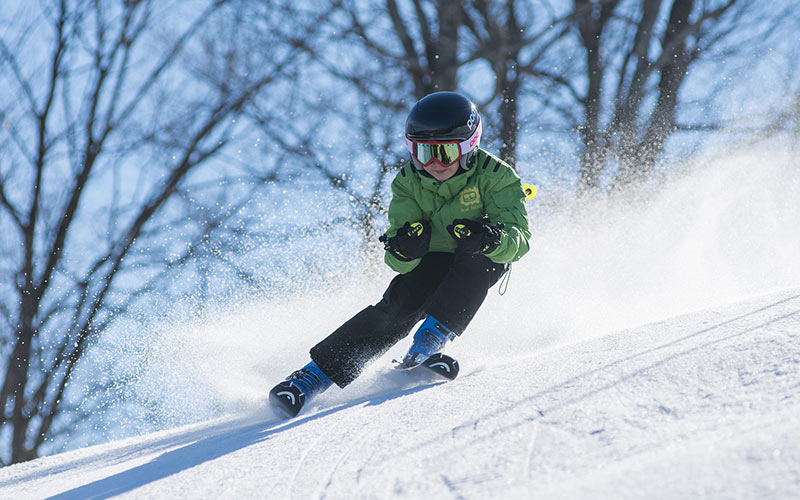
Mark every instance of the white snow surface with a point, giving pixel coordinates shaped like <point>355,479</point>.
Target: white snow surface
<point>702,405</point>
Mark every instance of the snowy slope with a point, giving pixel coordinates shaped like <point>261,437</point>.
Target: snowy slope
<point>701,405</point>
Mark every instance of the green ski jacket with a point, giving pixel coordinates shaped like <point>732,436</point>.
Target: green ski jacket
<point>490,191</point>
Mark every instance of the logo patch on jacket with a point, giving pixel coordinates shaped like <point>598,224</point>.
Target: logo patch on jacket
<point>470,197</point>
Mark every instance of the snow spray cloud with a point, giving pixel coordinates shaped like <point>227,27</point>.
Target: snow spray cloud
<point>194,359</point>
<point>726,230</point>
<point>722,231</point>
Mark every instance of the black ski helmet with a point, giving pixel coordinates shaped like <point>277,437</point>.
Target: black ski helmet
<point>445,116</point>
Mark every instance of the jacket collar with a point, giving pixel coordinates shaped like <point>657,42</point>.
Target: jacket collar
<point>449,188</point>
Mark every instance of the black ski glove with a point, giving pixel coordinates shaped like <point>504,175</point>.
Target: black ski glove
<point>475,237</point>
<point>411,241</point>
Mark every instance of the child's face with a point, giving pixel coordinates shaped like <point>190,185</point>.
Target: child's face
<point>439,171</point>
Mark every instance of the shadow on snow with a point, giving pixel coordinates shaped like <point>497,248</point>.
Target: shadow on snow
<point>210,448</point>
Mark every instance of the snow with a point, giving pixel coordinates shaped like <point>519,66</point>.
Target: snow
<point>704,404</point>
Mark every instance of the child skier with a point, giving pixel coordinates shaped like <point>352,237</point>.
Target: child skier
<point>457,220</point>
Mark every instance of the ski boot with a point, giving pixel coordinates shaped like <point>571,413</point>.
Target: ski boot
<point>289,396</point>
<point>429,340</point>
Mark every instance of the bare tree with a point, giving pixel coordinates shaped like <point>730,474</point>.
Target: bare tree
<point>347,136</point>
<point>108,128</point>
<point>636,60</point>
<point>614,71</point>
<point>513,37</point>
<point>429,42</point>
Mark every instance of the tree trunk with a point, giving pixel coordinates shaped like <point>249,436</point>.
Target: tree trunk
<point>592,19</point>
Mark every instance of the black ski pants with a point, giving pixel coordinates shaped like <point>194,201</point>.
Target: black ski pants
<point>450,287</point>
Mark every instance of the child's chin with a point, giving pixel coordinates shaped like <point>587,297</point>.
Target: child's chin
<point>442,175</point>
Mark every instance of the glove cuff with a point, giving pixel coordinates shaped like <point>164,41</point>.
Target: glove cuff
<point>390,246</point>
<point>492,237</point>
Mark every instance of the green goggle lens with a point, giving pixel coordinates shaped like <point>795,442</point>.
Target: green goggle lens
<point>447,154</point>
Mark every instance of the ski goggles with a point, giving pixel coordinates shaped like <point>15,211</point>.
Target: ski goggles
<point>446,153</point>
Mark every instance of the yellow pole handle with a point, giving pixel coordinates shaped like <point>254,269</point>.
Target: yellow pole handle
<point>530,191</point>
